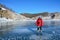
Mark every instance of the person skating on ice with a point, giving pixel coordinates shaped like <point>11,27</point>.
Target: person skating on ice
<point>39,23</point>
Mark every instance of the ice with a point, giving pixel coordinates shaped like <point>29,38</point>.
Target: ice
<point>5,20</point>
<point>28,30</point>
<point>53,31</point>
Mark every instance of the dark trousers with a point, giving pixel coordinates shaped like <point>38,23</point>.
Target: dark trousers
<point>39,28</point>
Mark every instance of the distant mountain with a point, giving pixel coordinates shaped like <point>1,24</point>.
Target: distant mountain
<point>34,15</point>
<point>8,13</point>
<point>45,15</point>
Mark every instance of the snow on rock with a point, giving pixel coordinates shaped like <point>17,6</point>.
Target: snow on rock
<point>3,9</point>
<point>46,18</point>
<point>21,18</point>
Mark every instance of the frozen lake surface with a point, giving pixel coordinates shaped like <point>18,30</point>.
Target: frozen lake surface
<point>27,30</point>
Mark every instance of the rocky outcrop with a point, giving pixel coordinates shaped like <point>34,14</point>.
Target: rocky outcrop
<point>9,14</point>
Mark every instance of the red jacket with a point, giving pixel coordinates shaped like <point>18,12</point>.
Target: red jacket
<point>39,22</point>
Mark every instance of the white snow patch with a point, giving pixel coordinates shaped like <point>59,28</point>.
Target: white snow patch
<point>3,9</point>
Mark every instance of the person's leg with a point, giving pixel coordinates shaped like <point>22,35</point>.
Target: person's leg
<point>40,28</point>
<point>37,28</point>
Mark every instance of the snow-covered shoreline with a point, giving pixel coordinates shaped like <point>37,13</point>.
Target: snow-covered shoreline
<point>11,20</point>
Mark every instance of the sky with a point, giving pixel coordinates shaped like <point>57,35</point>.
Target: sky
<point>32,6</point>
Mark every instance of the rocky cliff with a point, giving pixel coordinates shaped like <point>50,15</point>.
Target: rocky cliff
<point>9,14</point>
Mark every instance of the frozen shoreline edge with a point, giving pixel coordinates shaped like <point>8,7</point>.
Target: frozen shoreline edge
<point>27,20</point>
